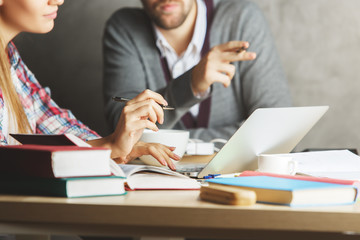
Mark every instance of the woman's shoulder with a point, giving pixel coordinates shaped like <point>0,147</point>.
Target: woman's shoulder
<point>22,72</point>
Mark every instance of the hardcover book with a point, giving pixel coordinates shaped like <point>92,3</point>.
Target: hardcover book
<point>63,187</point>
<point>66,139</point>
<point>54,161</point>
<point>355,183</point>
<point>290,192</point>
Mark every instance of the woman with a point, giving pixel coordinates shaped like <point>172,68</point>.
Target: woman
<point>26,107</point>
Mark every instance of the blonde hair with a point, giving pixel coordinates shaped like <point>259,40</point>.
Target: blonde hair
<point>12,100</point>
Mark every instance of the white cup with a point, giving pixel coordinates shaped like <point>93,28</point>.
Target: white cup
<point>277,164</point>
<point>171,138</point>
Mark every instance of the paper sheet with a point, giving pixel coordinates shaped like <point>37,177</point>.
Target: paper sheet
<point>340,164</point>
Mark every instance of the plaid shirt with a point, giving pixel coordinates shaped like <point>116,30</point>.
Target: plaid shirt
<point>44,115</point>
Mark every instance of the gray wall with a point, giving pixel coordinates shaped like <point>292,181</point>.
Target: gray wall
<point>318,41</point>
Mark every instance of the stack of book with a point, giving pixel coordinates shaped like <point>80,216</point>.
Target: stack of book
<point>65,171</point>
<point>66,166</point>
<point>295,191</point>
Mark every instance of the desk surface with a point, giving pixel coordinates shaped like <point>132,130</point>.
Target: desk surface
<point>168,213</point>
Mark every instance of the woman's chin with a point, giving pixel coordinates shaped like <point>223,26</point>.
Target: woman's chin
<point>44,28</point>
<point>48,28</point>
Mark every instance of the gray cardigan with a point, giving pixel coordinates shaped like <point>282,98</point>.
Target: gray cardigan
<point>132,64</point>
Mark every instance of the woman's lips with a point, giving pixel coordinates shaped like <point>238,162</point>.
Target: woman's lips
<point>51,15</point>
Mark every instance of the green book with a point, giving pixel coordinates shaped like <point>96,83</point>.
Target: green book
<point>63,187</point>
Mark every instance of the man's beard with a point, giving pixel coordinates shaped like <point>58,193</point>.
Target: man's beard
<point>161,21</point>
<point>168,25</point>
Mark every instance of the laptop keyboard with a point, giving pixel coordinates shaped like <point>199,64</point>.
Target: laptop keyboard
<point>191,170</point>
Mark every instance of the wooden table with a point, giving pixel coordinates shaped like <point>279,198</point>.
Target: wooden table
<point>173,214</point>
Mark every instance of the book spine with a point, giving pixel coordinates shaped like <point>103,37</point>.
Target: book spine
<point>24,162</point>
<point>34,186</point>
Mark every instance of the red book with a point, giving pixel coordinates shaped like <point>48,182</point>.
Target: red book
<point>305,178</point>
<point>65,139</point>
<point>54,161</point>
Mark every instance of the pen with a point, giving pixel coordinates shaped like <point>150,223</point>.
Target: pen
<point>210,176</point>
<point>231,175</point>
<point>121,99</point>
<point>239,50</point>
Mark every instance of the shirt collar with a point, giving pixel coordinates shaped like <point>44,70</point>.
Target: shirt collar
<point>13,54</point>
<point>198,38</point>
<point>161,42</point>
<point>200,26</point>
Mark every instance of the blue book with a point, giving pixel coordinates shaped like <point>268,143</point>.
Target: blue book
<point>291,192</point>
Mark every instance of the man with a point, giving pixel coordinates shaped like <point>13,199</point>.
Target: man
<point>214,62</point>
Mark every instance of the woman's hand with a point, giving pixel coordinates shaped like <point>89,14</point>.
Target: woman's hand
<point>160,152</point>
<point>141,112</point>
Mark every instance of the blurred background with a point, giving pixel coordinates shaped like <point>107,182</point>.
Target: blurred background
<point>318,41</point>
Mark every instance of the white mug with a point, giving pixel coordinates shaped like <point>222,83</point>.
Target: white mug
<point>277,164</point>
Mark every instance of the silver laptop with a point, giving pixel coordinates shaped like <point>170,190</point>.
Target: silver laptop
<point>267,130</point>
